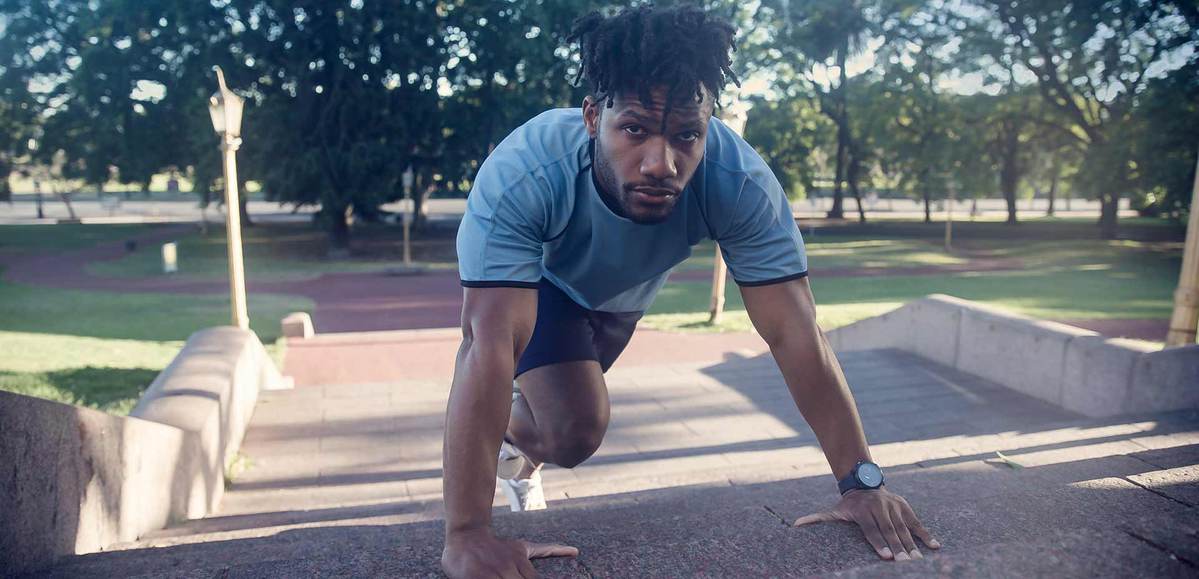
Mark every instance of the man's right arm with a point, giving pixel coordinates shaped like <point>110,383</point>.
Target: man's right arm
<point>496,326</point>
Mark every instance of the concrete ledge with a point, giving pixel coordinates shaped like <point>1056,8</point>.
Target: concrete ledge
<point>298,325</point>
<point>1073,368</point>
<point>209,392</point>
<point>75,480</point>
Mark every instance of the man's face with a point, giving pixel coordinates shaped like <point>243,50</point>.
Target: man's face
<point>640,165</point>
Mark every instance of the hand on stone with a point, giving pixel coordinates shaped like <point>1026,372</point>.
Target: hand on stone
<point>886,519</point>
<point>472,554</point>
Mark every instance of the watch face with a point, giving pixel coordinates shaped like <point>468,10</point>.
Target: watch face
<point>870,475</point>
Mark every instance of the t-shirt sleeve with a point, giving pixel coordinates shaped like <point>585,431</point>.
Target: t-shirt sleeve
<point>761,242</point>
<point>499,240</point>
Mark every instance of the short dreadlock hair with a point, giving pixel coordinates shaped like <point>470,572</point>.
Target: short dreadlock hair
<point>680,47</point>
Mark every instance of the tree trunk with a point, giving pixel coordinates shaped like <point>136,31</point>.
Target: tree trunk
<point>1109,205</point>
<point>339,230</point>
<point>838,210</point>
<point>842,109</point>
<point>66,200</point>
<point>855,167</point>
<point>242,201</point>
<point>1010,198</point>
<point>928,214</point>
<point>418,199</point>
<point>1052,191</point>
<point>1009,170</point>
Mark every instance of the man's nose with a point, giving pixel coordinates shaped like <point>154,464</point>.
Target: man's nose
<point>658,162</point>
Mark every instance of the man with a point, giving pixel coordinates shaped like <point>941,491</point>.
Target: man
<point>573,224</point>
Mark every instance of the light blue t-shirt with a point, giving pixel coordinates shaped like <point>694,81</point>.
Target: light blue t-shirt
<point>534,212</point>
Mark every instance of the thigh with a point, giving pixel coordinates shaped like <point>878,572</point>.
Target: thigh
<point>567,398</point>
<point>563,332</point>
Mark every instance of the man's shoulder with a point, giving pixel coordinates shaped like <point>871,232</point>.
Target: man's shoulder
<point>550,137</point>
<point>536,165</point>
<point>731,164</point>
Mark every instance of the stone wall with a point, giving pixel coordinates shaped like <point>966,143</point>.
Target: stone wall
<point>1074,368</point>
<point>75,480</point>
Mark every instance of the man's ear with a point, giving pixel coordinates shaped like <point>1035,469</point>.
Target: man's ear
<point>591,114</point>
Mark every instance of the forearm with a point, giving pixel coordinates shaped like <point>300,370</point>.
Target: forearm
<point>476,418</point>
<point>822,395</point>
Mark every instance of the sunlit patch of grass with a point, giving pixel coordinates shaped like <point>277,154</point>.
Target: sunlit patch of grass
<point>113,390</point>
<point>737,320</point>
<point>1071,279</point>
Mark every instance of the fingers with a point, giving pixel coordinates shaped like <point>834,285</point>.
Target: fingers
<point>913,523</point>
<point>905,536</point>
<point>883,520</point>
<point>542,550</point>
<point>526,569</point>
<point>814,518</point>
<point>874,537</point>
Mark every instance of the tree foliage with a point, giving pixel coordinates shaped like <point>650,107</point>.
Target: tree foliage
<point>1098,96</point>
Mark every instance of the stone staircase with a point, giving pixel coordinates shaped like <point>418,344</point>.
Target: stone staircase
<point>703,466</point>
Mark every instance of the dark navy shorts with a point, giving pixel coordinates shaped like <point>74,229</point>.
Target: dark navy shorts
<point>568,332</point>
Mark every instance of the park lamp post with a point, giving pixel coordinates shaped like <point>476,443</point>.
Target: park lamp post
<point>225,109</point>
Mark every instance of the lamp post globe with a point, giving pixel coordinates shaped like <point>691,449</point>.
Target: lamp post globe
<point>225,108</point>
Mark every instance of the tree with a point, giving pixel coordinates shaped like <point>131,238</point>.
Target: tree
<point>1166,144</point>
<point>1090,60</point>
<point>786,133</point>
<point>921,120</point>
<point>813,34</point>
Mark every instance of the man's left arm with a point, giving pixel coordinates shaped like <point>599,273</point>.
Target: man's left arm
<point>785,315</point>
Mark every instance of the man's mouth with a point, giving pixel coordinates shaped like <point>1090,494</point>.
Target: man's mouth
<point>655,192</point>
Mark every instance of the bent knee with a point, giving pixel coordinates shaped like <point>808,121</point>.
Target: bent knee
<point>570,451</point>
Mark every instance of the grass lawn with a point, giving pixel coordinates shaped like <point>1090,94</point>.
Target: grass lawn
<point>21,238</point>
<point>101,349</point>
<point>277,252</point>
<point>1073,279</point>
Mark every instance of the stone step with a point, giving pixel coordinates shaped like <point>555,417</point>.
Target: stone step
<point>1114,515</point>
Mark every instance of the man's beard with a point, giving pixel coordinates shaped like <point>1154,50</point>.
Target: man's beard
<point>606,181</point>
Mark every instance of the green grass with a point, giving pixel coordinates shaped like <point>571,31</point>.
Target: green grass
<point>840,253</point>
<point>22,238</point>
<point>275,252</point>
<point>135,316</point>
<point>204,258</point>
<point>101,349</point>
<point>1058,280</point>
<point>105,374</point>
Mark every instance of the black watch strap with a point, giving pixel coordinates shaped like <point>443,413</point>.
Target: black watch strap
<point>852,481</point>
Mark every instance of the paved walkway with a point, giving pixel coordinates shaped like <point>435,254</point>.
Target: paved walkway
<point>704,461</point>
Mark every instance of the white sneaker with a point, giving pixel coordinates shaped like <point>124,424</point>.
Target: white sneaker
<point>511,461</point>
<point>524,494</point>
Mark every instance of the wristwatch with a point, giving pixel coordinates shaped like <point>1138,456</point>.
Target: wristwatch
<point>865,475</point>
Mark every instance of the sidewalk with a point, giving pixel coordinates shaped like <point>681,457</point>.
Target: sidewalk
<point>705,460</point>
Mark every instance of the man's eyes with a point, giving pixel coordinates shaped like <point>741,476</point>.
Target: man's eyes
<point>639,131</point>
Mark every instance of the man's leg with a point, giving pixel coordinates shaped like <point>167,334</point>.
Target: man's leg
<point>562,414</point>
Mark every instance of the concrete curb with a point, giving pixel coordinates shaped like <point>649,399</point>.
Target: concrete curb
<point>1076,369</point>
<point>75,480</point>
<point>209,391</point>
